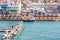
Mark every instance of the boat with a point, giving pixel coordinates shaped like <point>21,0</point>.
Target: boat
<point>28,20</point>
<point>16,29</point>
<point>32,19</point>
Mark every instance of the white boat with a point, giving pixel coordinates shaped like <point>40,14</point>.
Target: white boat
<point>14,31</point>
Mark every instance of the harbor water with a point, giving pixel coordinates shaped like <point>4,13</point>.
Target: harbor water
<point>38,30</point>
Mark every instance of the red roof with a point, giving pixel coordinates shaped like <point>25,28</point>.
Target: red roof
<point>58,0</point>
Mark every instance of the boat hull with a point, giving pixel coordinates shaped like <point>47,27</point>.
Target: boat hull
<point>28,20</point>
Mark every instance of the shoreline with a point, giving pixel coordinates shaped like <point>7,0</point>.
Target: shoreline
<point>21,18</point>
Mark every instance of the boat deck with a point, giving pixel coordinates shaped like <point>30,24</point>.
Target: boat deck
<point>5,30</point>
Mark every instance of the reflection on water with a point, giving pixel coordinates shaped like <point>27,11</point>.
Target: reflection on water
<point>40,30</point>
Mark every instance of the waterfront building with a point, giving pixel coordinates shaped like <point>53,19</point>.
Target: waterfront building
<point>10,6</point>
<point>14,6</point>
<point>3,6</point>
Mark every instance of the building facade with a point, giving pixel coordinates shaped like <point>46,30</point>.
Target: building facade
<point>8,5</point>
<point>14,6</point>
<point>3,6</point>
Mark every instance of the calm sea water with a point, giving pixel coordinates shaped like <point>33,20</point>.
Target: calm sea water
<point>39,30</point>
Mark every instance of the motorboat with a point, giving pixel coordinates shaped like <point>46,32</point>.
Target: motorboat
<point>15,29</point>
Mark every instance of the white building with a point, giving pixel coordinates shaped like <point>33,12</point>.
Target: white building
<point>14,5</point>
<point>10,5</point>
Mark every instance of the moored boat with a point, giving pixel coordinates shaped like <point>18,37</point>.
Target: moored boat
<point>15,29</point>
<point>29,19</point>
